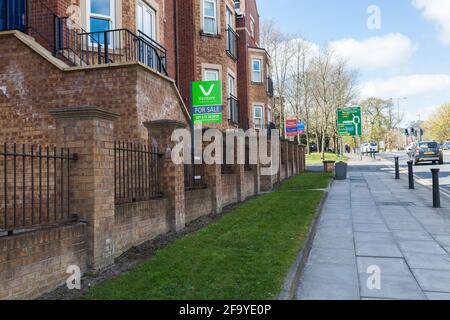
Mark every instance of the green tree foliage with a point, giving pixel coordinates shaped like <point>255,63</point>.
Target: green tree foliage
<point>438,125</point>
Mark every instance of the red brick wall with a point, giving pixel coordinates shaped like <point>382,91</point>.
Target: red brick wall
<point>229,189</point>
<point>34,263</point>
<point>197,204</point>
<point>32,86</point>
<point>137,223</point>
<point>249,184</point>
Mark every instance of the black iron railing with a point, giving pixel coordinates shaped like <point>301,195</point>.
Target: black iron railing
<point>270,89</point>
<point>67,40</point>
<point>232,42</point>
<point>35,187</point>
<point>194,176</point>
<point>136,172</point>
<point>233,109</point>
<point>122,45</point>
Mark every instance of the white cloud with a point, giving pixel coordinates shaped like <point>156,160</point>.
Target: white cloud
<point>437,11</point>
<point>374,53</point>
<point>406,86</point>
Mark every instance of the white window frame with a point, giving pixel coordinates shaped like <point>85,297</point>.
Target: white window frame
<point>111,17</point>
<point>252,27</point>
<point>230,15</point>
<point>215,17</point>
<point>260,107</point>
<point>260,80</point>
<point>269,116</point>
<point>145,5</point>
<point>211,70</point>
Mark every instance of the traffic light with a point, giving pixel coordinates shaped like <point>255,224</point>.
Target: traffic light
<point>422,132</point>
<point>413,131</point>
<point>407,132</point>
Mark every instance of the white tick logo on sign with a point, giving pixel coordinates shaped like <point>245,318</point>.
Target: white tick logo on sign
<point>207,93</point>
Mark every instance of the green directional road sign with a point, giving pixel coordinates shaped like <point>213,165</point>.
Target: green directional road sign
<point>349,122</point>
<point>206,93</point>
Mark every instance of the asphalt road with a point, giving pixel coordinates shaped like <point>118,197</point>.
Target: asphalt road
<point>423,170</point>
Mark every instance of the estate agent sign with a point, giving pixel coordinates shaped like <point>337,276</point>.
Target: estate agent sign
<point>207,102</point>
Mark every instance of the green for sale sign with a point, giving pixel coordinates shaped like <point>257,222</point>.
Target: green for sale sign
<point>349,122</point>
<point>207,102</point>
<point>206,93</point>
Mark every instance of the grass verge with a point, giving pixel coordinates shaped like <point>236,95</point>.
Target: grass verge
<point>244,255</point>
<point>315,158</point>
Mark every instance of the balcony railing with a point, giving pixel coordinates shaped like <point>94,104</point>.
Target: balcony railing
<point>122,45</point>
<point>232,42</point>
<point>68,41</point>
<point>270,90</point>
<point>233,109</point>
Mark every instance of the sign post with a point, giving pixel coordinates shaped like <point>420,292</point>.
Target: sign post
<point>349,121</point>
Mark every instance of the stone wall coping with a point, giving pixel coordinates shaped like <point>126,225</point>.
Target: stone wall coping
<point>83,112</point>
<point>164,124</point>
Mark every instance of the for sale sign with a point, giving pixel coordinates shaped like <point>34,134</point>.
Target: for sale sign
<point>207,102</point>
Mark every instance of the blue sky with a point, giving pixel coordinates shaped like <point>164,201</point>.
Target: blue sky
<point>408,57</point>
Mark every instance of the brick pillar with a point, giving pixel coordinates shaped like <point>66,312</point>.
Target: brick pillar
<point>213,179</point>
<point>171,174</point>
<point>294,158</point>
<point>303,158</point>
<point>89,132</point>
<point>239,171</point>
<point>292,152</point>
<point>266,181</point>
<point>299,159</point>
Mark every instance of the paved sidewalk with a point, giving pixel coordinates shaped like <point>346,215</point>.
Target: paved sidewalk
<point>373,220</point>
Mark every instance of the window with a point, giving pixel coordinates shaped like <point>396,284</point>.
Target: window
<point>211,75</point>
<point>101,17</point>
<point>252,27</point>
<point>258,117</point>
<point>269,116</point>
<point>231,85</point>
<point>256,70</point>
<point>210,16</point>
<point>146,20</point>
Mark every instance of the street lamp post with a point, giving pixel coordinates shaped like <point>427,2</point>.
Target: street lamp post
<point>398,117</point>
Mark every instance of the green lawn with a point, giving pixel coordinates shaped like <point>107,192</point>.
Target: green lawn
<point>246,254</point>
<point>315,158</point>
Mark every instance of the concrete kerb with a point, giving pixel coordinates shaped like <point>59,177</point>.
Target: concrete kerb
<point>291,283</point>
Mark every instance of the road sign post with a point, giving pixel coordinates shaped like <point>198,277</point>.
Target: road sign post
<point>349,122</point>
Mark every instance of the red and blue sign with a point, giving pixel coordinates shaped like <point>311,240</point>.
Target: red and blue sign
<point>295,128</point>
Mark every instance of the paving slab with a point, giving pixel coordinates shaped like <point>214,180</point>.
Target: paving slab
<point>427,261</point>
<point>421,247</point>
<point>388,266</point>
<point>438,296</point>
<point>329,282</point>
<point>393,287</point>
<point>433,280</point>
<point>332,256</point>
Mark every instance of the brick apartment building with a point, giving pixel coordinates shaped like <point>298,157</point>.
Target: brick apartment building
<point>90,93</point>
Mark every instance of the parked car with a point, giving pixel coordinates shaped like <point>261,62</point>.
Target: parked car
<point>313,148</point>
<point>428,151</point>
<point>446,146</point>
<point>370,147</point>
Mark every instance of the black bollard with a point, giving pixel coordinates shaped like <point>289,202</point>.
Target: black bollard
<point>411,175</point>
<point>436,188</point>
<point>397,168</point>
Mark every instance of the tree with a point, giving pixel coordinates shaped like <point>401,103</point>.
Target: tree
<point>279,47</point>
<point>437,127</point>
<point>380,121</point>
